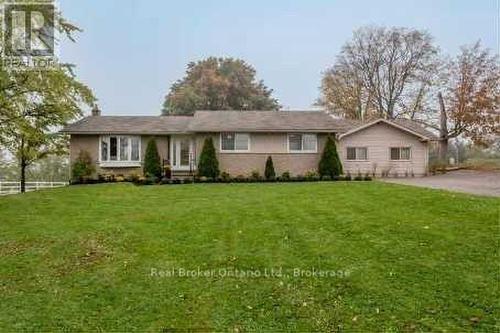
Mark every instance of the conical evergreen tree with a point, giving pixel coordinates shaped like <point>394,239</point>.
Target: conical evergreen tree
<point>269,173</point>
<point>330,164</point>
<point>208,166</point>
<point>152,163</point>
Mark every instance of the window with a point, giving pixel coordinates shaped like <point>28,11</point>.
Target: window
<point>295,142</point>
<point>235,142</point>
<point>104,149</point>
<point>113,151</point>
<point>357,153</point>
<point>120,149</point>
<point>124,148</point>
<point>400,153</point>
<point>302,142</point>
<point>135,152</point>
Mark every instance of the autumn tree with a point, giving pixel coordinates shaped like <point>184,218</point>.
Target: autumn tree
<point>35,103</point>
<point>381,72</point>
<point>46,101</point>
<point>219,84</point>
<point>468,100</point>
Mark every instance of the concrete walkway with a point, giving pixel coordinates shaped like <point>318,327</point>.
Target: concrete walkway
<point>468,181</point>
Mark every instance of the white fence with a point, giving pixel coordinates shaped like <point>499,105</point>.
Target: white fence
<point>15,187</point>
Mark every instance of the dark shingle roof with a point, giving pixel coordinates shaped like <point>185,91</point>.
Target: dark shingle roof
<point>264,121</point>
<point>129,125</point>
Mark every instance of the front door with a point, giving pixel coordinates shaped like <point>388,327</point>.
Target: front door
<point>181,152</point>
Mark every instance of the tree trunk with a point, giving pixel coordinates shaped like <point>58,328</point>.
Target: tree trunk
<point>443,151</point>
<point>22,164</point>
<point>23,176</point>
<point>443,131</point>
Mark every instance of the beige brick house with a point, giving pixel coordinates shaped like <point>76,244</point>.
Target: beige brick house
<point>244,140</point>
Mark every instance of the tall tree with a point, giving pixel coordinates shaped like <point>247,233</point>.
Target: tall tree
<point>469,98</point>
<point>44,102</point>
<point>35,103</point>
<point>381,72</point>
<point>219,84</point>
<point>344,95</point>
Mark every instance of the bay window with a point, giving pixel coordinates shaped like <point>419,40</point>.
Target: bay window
<point>120,149</point>
<point>307,143</point>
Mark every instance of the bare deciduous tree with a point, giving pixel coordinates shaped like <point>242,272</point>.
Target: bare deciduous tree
<point>382,71</point>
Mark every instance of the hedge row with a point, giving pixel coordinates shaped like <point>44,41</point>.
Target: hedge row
<point>201,180</point>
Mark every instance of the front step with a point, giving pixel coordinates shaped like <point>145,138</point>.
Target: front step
<point>182,174</point>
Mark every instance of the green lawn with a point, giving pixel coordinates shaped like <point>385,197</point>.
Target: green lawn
<point>88,258</point>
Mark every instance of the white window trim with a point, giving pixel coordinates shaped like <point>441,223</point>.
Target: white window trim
<point>400,159</point>
<point>249,142</point>
<point>120,164</point>
<point>357,160</point>
<point>314,151</point>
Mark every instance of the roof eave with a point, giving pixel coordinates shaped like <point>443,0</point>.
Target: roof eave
<point>248,130</point>
<point>122,132</point>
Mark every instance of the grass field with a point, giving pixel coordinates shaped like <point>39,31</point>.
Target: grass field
<point>394,258</point>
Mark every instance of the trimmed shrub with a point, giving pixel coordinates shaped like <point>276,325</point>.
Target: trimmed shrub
<point>106,178</point>
<point>269,173</point>
<point>239,179</point>
<point>311,176</point>
<point>151,180</point>
<point>330,164</point>
<point>82,167</point>
<point>152,163</point>
<point>120,178</point>
<point>285,176</point>
<point>208,166</point>
<point>133,177</point>
<point>255,176</point>
<point>225,177</point>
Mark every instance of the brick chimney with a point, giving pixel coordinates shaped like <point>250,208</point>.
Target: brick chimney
<point>96,111</point>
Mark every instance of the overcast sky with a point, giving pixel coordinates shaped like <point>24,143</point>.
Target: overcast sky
<point>131,51</point>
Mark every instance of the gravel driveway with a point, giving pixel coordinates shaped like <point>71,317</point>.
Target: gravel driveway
<point>468,181</point>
